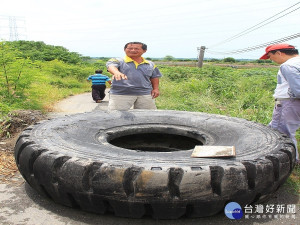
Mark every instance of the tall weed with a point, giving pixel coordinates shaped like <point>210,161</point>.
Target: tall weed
<point>245,93</point>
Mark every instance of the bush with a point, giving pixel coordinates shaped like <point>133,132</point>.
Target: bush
<point>262,61</point>
<point>213,60</point>
<point>229,59</point>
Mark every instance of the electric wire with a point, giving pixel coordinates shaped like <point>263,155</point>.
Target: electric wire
<point>239,51</point>
<point>253,28</point>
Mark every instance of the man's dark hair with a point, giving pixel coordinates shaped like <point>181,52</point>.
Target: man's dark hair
<point>287,51</point>
<point>144,46</point>
<point>98,71</point>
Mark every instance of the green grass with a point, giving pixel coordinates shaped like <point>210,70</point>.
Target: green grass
<point>245,93</point>
<point>293,183</point>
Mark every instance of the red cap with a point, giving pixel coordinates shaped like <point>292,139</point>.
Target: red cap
<point>276,47</point>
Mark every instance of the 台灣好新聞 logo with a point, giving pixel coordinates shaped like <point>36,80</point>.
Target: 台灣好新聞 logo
<point>233,211</point>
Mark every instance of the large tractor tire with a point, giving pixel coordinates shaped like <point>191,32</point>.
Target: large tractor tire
<point>137,163</point>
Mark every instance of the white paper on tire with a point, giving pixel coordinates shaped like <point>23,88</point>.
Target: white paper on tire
<point>206,151</point>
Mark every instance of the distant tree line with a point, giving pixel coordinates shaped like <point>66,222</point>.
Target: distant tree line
<point>225,60</point>
<point>233,60</point>
<point>38,50</point>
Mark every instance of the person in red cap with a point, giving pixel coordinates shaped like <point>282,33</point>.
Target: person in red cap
<point>286,114</point>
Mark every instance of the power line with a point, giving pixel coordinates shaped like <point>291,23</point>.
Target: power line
<point>261,25</point>
<point>258,46</point>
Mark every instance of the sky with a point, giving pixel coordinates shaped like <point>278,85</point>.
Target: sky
<point>177,28</point>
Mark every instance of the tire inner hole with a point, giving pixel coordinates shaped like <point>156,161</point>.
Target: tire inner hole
<point>157,142</point>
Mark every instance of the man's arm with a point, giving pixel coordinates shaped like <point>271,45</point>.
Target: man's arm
<point>116,73</point>
<point>155,87</point>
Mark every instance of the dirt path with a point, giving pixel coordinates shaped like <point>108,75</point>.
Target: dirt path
<point>79,104</point>
<point>20,204</point>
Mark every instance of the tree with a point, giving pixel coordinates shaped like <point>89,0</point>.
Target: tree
<point>229,59</point>
<point>11,68</point>
<point>169,58</point>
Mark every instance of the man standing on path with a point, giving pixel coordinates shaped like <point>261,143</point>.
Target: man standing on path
<point>98,85</point>
<point>135,80</point>
<point>286,114</point>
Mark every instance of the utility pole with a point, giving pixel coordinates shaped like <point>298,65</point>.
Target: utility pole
<point>201,56</point>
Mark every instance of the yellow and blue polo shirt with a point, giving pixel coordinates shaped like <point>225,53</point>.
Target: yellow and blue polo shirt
<point>139,76</point>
